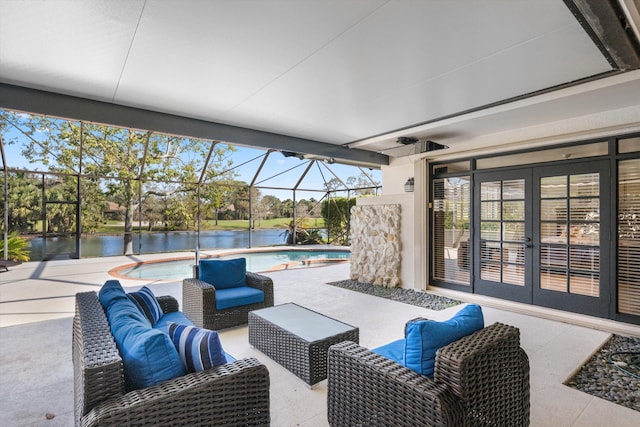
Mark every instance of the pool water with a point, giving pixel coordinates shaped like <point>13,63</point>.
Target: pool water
<point>256,262</point>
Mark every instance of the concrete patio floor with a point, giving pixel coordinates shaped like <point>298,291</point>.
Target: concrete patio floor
<point>37,304</point>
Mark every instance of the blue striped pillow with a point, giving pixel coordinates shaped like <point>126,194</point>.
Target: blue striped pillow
<point>199,349</point>
<point>147,303</point>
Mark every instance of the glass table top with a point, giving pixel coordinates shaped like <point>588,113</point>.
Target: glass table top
<point>302,322</point>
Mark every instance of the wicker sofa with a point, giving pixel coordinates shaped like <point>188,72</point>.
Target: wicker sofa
<point>194,399</point>
<point>199,302</point>
<point>479,380</point>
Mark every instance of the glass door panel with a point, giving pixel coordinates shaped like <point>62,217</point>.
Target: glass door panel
<point>628,301</point>
<point>568,210</point>
<point>450,230</point>
<point>503,239</point>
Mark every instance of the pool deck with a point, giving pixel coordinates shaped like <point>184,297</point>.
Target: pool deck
<point>37,304</point>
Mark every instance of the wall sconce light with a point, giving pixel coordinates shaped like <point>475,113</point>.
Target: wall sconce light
<point>408,186</point>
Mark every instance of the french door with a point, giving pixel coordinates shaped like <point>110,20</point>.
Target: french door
<point>538,238</point>
<point>570,205</point>
<point>503,233</point>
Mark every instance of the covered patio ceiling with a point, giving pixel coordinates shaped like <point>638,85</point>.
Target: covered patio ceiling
<point>344,79</point>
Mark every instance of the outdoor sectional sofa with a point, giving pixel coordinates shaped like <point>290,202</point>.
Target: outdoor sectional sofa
<point>103,396</point>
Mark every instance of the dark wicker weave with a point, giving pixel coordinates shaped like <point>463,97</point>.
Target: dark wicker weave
<point>235,394</point>
<point>199,302</point>
<point>307,360</point>
<point>480,380</point>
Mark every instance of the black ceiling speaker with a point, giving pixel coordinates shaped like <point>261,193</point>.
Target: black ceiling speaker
<point>407,140</point>
<point>420,146</point>
<point>292,154</point>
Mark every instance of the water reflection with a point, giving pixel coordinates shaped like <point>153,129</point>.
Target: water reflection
<point>100,246</point>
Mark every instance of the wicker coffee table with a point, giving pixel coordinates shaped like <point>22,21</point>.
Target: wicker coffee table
<point>298,338</point>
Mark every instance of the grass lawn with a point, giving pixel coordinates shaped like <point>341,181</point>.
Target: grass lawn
<point>226,224</point>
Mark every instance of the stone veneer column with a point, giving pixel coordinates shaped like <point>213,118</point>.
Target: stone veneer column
<point>375,244</point>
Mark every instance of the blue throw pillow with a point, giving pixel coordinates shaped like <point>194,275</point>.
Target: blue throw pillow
<point>424,337</point>
<point>112,294</point>
<point>224,273</point>
<point>147,303</point>
<point>148,355</point>
<point>200,349</point>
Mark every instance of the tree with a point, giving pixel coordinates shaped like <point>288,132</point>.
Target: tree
<point>314,208</point>
<point>217,189</point>
<point>271,206</point>
<point>214,196</point>
<point>153,210</point>
<point>334,184</point>
<point>286,208</point>
<point>238,197</point>
<point>359,185</point>
<point>127,157</point>
<point>336,213</point>
<point>92,213</point>
<point>25,209</point>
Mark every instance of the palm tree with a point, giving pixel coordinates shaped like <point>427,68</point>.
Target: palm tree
<point>17,248</point>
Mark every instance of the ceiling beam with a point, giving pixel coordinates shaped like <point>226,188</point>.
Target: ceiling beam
<point>610,29</point>
<point>71,107</point>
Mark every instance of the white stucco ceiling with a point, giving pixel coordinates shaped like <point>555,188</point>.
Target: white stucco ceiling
<point>336,71</point>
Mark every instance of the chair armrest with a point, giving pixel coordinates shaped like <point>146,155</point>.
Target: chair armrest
<point>367,389</point>
<point>198,301</point>
<point>202,398</point>
<point>489,373</point>
<point>264,283</point>
<point>98,372</point>
<point>168,303</point>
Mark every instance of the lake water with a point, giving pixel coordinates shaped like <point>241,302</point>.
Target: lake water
<point>100,246</point>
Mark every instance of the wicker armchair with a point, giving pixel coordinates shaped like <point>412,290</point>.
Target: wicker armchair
<point>479,380</point>
<point>199,302</point>
<point>194,399</point>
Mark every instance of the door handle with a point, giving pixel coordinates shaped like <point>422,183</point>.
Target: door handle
<point>527,242</point>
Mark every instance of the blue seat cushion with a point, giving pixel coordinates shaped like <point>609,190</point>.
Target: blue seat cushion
<point>148,355</point>
<point>223,273</point>
<point>173,317</point>
<point>235,297</point>
<point>424,337</point>
<point>392,351</point>
<point>199,348</point>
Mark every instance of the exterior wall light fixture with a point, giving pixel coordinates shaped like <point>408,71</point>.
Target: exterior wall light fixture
<point>408,186</point>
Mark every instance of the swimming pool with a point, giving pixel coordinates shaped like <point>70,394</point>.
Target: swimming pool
<point>257,262</point>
